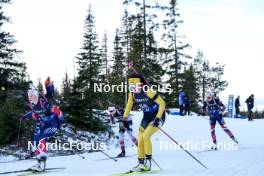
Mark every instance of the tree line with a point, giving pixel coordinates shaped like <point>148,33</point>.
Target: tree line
<point>152,42</point>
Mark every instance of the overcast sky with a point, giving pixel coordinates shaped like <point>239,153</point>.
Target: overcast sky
<point>229,31</point>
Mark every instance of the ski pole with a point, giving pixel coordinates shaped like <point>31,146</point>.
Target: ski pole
<point>203,117</point>
<point>182,147</point>
<point>101,152</point>
<point>83,157</point>
<point>108,156</point>
<point>130,66</point>
<point>69,134</point>
<point>156,163</point>
<point>18,134</point>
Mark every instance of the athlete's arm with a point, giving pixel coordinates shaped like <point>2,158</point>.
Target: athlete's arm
<point>159,100</point>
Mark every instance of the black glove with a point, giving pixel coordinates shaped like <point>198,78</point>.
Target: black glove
<point>157,122</point>
<point>21,117</point>
<point>119,118</point>
<point>124,124</point>
<point>64,125</point>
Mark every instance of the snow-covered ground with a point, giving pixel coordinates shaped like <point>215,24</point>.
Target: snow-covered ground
<point>248,159</point>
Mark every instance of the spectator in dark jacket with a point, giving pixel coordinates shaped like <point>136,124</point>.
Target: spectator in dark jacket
<point>181,102</point>
<point>187,105</point>
<point>250,106</point>
<point>237,105</point>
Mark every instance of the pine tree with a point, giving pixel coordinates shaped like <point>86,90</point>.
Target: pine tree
<point>209,77</point>
<point>203,70</point>
<point>136,43</point>
<point>217,84</point>
<point>143,44</point>
<point>66,97</point>
<point>89,65</point>
<point>40,86</point>
<point>12,82</point>
<point>104,71</point>
<point>9,118</point>
<point>11,70</point>
<point>126,32</point>
<point>190,87</point>
<point>104,58</point>
<point>118,70</point>
<point>66,88</point>
<point>173,51</point>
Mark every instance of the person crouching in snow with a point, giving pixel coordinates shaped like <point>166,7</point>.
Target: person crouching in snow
<point>124,126</point>
<point>48,121</point>
<point>216,111</point>
<point>153,107</point>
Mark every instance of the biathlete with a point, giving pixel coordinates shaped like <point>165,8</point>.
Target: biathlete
<point>153,107</point>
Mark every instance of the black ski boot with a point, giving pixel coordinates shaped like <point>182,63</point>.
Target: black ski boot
<point>234,139</point>
<point>122,154</point>
<point>147,163</point>
<point>213,147</point>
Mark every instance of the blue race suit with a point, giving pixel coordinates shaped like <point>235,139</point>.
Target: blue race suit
<point>149,107</point>
<point>48,120</point>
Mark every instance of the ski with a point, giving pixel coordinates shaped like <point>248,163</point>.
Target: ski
<point>207,150</point>
<point>43,172</point>
<point>29,170</point>
<point>218,149</point>
<point>136,173</point>
<point>116,157</point>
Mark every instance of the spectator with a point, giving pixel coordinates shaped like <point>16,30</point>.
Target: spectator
<point>237,104</point>
<point>187,105</point>
<point>181,102</point>
<point>49,88</point>
<point>250,106</point>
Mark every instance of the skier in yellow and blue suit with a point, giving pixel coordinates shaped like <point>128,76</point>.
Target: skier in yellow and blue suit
<point>153,107</point>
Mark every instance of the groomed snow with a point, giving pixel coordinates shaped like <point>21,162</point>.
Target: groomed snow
<point>248,159</point>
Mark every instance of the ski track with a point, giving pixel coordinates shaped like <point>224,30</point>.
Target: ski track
<point>248,160</point>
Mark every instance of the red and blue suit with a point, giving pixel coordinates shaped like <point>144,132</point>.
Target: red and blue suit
<point>215,109</point>
<point>48,121</point>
